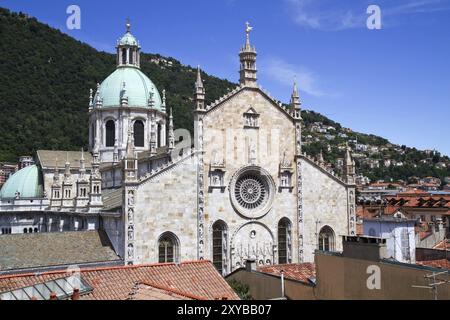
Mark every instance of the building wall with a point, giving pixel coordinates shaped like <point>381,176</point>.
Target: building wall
<point>226,140</point>
<point>325,203</point>
<point>400,246</point>
<point>345,278</point>
<point>167,203</point>
<point>264,286</point>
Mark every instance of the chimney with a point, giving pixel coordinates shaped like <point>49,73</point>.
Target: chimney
<point>76,294</point>
<point>282,284</point>
<point>250,265</point>
<point>53,296</point>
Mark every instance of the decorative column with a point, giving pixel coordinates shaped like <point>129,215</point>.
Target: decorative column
<point>199,112</point>
<point>296,115</point>
<point>130,183</point>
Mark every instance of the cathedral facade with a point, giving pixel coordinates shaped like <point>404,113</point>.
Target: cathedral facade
<point>240,189</point>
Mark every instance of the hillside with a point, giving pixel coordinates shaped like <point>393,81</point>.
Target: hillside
<point>46,76</point>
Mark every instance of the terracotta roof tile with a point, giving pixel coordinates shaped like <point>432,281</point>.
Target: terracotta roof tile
<point>298,271</point>
<point>198,278</point>
<point>441,264</point>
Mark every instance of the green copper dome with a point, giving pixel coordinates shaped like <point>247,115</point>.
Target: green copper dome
<point>137,88</point>
<point>27,182</point>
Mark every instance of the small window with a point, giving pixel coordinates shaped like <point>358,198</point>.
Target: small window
<point>326,239</point>
<point>110,129</point>
<point>168,248</point>
<point>139,134</point>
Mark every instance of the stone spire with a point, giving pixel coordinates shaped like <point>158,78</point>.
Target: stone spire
<point>199,92</point>
<point>116,152</point>
<point>91,99</point>
<point>98,100</point>
<point>82,166</point>
<point>171,133</point>
<point>123,95</point>
<point>296,105</point>
<point>153,142</point>
<point>56,174</point>
<point>67,174</point>
<point>349,167</point>
<point>163,104</point>
<point>130,144</point>
<point>247,57</point>
<point>320,158</point>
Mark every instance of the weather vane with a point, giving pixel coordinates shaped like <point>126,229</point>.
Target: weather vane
<point>128,25</point>
<point>248,29</point>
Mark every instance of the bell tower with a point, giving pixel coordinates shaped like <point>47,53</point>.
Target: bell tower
<point>247,57</point>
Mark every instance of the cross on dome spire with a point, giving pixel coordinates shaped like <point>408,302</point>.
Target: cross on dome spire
<point>128,25</point>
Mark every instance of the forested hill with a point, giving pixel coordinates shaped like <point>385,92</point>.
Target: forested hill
<point>44,89</point>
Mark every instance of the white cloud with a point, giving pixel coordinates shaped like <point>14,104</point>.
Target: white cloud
<point>285,73</point>
<point>332,15</point>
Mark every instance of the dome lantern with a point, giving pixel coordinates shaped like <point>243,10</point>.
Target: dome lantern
<point>128,50</point>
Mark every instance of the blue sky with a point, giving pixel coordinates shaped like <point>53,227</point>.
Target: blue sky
<point>393,82</point>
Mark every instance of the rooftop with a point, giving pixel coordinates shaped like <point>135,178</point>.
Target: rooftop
<point>188,280</point>
<point>42,250</point>
<point>304,272</point>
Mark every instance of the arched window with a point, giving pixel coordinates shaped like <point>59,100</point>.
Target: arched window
<point>160,135</point>
<point>138,133</point>
<point>326,239</point>
<point>168,248</point>
<point>131,56</point>
<point>284,241</point>
<point>124,56</point>
<point>35,230</point>
<point>25,230</point>
<point>220,246</point>
<point>110,129</point>
<point>30,230</point>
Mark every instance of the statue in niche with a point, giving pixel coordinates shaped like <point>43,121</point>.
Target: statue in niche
<point>284,180</point>
<point>131,198</point>
<point>130,233</point>
<point>130,251</point>
<point>130,215</point>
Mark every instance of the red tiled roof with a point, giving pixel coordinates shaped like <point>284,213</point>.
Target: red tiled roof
<point>441,264</point>
<point>297,271</point>
<point>198,278</point>
<point>149,291</point>
<point>444,244</point>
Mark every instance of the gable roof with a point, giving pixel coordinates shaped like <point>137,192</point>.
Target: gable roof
<point>296,271</point>
<point>239,89</point>
<point>48,159</point>
<point>41,250</point>
<point>194,279</point>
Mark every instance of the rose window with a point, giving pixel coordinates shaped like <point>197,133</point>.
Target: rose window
<point>252,191</point>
